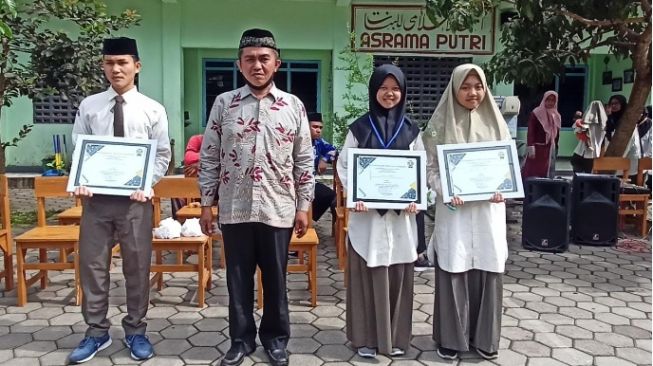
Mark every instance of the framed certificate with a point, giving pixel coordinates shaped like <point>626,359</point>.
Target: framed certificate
<point>112,165</point>
<point>386,179</point>
<point>475,171</point>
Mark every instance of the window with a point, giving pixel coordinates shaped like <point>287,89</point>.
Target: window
<point>301,78</point>
<point>571,93</point>
<point>426,79</point>
<point>53,109</point>
<point>571,88</point>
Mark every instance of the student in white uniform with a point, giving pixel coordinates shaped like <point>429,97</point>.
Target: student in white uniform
<point>469,243</point>
<point>382,243</point>
<point>119,111</point>
<point>590,132</point>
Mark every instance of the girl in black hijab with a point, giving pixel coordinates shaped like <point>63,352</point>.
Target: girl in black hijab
<point>381,243</point>
<point>617,106</point>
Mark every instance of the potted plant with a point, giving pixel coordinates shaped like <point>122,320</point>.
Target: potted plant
<point>52,166</point>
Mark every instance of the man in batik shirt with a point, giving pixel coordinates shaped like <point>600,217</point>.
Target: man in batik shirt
<point>257,162</point>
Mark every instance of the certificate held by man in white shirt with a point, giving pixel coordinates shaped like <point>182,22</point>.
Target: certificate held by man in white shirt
<point>112,165</point>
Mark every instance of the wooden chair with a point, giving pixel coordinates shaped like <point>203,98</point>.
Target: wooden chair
<point>6,241</point>
<point>71,215</point>
<point>630,205</point>
<point>191,211</point>
<point>643,165</point>
<point>44,237</point>
<point>334,167</point>
<point>341,219</point>
<point>172,187</point>
<point>306,244</point>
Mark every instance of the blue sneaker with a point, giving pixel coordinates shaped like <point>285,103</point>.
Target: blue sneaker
<point>140,346</point>
<point>88,347</point>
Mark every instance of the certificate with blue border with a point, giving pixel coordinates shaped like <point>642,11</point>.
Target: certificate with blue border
<point>386,179</point>
<point>475,171</point>
<point>112,165</point>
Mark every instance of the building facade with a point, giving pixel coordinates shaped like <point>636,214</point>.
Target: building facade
<point>188,49</point>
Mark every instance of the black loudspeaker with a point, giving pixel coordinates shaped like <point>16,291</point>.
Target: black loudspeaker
<point>595,211</point>
<point>545,221</point>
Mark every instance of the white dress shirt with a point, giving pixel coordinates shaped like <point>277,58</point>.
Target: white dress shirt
<point>144,118</point>
<point>473,236</point>
<point>380,240</point>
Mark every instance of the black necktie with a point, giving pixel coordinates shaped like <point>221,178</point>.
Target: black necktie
<point>118,117</point>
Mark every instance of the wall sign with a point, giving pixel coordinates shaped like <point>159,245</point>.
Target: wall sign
<point>407,29</point>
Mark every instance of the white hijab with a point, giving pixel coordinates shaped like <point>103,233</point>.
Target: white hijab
<point>595,118</point>
<point>452,123</point>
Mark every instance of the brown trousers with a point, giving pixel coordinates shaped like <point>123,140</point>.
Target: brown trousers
<point>105,221</point>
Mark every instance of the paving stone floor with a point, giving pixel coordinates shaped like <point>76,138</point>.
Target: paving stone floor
<point>587,306</point>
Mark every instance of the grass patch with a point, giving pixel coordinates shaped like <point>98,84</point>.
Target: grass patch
<point>29,217</point>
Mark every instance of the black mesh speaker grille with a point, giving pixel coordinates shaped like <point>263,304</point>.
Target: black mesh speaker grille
<point>545,222</point>
<point>595,212</point>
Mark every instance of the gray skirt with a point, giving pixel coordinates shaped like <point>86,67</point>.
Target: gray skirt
<point>467,310</point>
<point>379,304</point>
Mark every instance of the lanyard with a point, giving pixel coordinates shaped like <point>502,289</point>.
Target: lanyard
<point>378,135</point>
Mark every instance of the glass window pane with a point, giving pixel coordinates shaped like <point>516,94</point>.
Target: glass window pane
<point>305,65</point>
<point>281,80</point>
<point>570,95</point>
<point>304,86</point>
<point>216,83</point>
<point>216,64</point>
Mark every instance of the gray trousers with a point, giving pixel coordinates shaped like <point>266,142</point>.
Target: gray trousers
<point>467,310</point>
<point>379,304</point>
<point>105,221</point>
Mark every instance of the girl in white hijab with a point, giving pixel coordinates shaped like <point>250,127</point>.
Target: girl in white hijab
<point>590,132</point>
<point>469,240</point>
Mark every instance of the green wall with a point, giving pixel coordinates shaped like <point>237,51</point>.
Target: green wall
<point>193,60</point>
<point>38,144</point>
<point>176,35</point>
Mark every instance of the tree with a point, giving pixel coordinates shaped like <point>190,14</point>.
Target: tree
<point>543,36</point>
<point>358,67</point>
<point>37,60</point>
<point>8,6</point>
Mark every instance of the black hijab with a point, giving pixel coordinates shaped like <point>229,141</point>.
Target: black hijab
<point>644,124</point>
<point>386,121</point>
<point>615,117</point>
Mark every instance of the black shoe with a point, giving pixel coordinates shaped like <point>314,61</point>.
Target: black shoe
<point>487,355</point>
<point>422,263</point>
<point>447,353</point>
<point>277,356</point>
<point>235,355</point>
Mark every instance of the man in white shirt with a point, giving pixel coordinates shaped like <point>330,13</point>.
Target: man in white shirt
<point>119,111</point>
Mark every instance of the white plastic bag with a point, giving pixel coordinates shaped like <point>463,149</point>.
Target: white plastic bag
<point>191,227</point>
<point>168,229</point>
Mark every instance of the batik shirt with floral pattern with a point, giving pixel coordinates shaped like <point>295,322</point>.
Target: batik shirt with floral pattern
<point>257,155</point>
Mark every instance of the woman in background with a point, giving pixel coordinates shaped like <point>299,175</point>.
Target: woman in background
<point>615,109</point>
<point>590,132</point>
<point>542,138</point>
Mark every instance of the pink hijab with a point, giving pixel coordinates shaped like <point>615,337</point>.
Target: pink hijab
<point>549,118</point>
